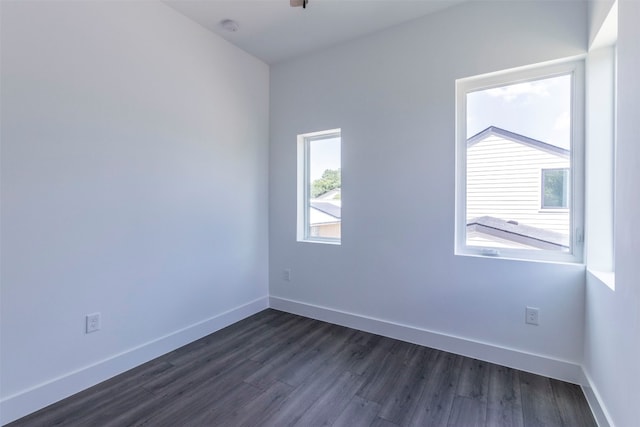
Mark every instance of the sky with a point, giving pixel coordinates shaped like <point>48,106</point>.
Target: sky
<point>324,154</point>
<point>539,109</point>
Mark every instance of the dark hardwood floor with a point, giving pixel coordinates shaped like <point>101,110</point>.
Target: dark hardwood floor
<point>278,369</point>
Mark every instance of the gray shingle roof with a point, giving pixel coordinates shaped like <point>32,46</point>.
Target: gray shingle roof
<point>328,208</point>
<point>520,233</point>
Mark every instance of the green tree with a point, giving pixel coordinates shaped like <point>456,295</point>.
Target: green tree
<point>330,180</point>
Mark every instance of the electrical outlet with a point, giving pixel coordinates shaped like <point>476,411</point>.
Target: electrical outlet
<point>531,315</point>
<point>286,274</point>
<point>93,322</point>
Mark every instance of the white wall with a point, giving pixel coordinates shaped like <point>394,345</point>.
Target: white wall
<point>393,96</point>
<point>600,123</point>
<point>612,344</point>
<point>597,11</point>
<point>134,183</point>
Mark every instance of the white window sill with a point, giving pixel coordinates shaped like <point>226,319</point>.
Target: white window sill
<point>322,242</point>
<point>553,210</point>
<point>533,256</point>
<point>607,278</point>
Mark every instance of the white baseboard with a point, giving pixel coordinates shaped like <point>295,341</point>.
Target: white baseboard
<point>537,364</point>
<point>35,398</point>
<point>594,400</point>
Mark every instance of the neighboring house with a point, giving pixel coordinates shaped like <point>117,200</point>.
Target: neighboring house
<point>517,191</point>
<point>325,215</point>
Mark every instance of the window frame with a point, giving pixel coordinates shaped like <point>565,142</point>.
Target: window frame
<point>304,140</point>
<point>574,67</point>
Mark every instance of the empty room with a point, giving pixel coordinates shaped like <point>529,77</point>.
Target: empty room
<point>172,247</point>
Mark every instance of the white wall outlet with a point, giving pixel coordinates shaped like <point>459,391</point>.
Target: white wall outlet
<point>286,274</point>
<point>93,322</point>
<point>531,315</point>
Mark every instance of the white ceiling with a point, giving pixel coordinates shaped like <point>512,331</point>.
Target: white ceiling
<point>273,31</point>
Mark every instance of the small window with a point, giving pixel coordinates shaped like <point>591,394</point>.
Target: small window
<point>519,163</point>
<point>320,187</point>
<point>555,188</point>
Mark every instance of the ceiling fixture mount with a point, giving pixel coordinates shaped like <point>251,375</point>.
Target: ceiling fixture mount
<point>229,25</point>
<point>296,3</point>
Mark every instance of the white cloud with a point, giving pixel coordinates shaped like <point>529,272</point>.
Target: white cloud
<point>511,92</point>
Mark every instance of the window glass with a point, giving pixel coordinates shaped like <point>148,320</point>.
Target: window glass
<point>516,141</point>
<point>555,187</point>
<point>320,195</point>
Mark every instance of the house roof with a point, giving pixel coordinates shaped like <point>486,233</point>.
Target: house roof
<point>516,137</point>
<point>327,207</point>
<point>329,195</point>
<point>520,233</point>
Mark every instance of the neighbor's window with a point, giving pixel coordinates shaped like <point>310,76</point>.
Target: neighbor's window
<point>519,164</point>
<point>319,187</point>
<point>555,188</point>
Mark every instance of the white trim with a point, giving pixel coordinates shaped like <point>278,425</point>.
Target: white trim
<point>538,364</point>
<point>37,397</point>
<point>322,241</point>
<point>599,411</point>
<point>522,74</point>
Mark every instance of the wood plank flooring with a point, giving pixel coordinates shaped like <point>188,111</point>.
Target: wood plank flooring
<point>279,369</point>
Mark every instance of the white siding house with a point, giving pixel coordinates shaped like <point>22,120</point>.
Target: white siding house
<point>505,174</point>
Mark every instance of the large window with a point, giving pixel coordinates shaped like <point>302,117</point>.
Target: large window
<point>319,187</point>
<point>520,163</point>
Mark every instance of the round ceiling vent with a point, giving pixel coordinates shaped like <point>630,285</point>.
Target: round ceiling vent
<point>229,25</point>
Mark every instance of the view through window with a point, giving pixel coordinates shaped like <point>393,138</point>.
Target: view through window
<point>518,165</point>
<point>321,197</point>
